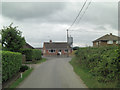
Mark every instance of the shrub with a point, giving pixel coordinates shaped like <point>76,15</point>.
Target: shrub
<point>103,62</point>
<point>11,63</point>
<point>31,54</point>
<point>28,53</point>
<point>75,48</point>
<point>37,54</point>
<point>23,68</point>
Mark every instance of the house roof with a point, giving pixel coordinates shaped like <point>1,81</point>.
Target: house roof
<point>56,45</point>
<point>38,48</point>
<point>108,37</point>
<point>28,46</point>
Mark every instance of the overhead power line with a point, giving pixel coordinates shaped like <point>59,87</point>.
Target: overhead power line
<point>78,15</point>
<point>83,13</point>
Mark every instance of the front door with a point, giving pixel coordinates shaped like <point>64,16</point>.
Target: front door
<point>59,52</point>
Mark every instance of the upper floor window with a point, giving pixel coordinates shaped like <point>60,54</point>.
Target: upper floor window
<point>110,42</point>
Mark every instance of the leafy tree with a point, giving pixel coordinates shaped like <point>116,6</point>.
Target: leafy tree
<point>12,39</point>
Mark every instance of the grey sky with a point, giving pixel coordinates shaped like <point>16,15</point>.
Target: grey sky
<point>41,21</point>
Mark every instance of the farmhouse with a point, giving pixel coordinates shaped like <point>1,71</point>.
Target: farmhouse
<point>56,48</point>
<point>106,40</point>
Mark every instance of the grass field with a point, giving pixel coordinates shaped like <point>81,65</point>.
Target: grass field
<point>88,79</point>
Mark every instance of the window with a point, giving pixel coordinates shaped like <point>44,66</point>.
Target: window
<point>117,42</point>
<point>109,42</point>
<point>44,51</point>
<point>52,51</point>
<point>59,50</point>
<point>96,43</point>
<point>66,50</point>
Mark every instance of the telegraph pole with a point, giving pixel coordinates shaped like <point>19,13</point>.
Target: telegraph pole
<point>67,42</point>
<point>67,35</point>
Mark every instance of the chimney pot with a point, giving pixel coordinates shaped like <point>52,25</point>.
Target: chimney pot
<point>50,40</point>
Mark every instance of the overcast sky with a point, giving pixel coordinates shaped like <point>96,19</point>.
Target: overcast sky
<point>42,21</point>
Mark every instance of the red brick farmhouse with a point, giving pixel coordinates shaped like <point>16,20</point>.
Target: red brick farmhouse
<point>55,48</point>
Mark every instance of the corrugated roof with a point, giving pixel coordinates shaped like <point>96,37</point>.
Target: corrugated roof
<point>56,45</point>
<point>108,37</point>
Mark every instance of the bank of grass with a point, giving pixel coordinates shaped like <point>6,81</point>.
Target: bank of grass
<point>18,81</point>
<point>88,79</point>
<point>37,61</point>
<point>26,73</point>
<point>40,61</point>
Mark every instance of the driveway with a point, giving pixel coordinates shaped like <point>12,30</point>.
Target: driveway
<point>54,73</point>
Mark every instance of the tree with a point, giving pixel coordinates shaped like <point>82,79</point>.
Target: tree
<point>12,39</point>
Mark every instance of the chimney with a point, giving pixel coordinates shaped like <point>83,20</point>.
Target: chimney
<point>50,41</point>
<point>110,33</point>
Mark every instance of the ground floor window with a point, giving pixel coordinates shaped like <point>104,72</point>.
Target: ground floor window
<point>59,50</point>
<point>96,43</point>
<point>52,51</point>
<point>66,50</point>
<point>110,42</point>
<point>117,42</point>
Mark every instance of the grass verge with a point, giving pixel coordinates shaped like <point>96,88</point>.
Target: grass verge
<point>40,61</point>
<point>18,81</point>
<point>88,79</point>
<point>36,61</point>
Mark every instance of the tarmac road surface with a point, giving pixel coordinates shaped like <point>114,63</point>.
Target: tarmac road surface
<point>54,73</point>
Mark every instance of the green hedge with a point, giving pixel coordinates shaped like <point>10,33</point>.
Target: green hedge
<point>31,54</point>
<point>11,63</point>
<point>28,53</point>
<point>37,54</point>
<point>103,62</point>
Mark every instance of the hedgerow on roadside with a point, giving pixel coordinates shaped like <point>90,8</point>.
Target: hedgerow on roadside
<point>102,62</point>
<point>31,54</point>
<point>11,63</point>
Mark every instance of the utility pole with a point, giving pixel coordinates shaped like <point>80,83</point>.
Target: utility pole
<point>67,35</point>
<point>67,42</point>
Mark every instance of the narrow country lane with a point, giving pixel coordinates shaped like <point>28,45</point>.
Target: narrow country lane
<point>54,73</point>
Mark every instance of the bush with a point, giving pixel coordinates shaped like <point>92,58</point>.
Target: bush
<point>103,62</point>
<point>23,68</point>
<point>75,48</point>
<point>28,53</point>
<point>11,63</point>
<point>37,54</point>
<point>31,54</point>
